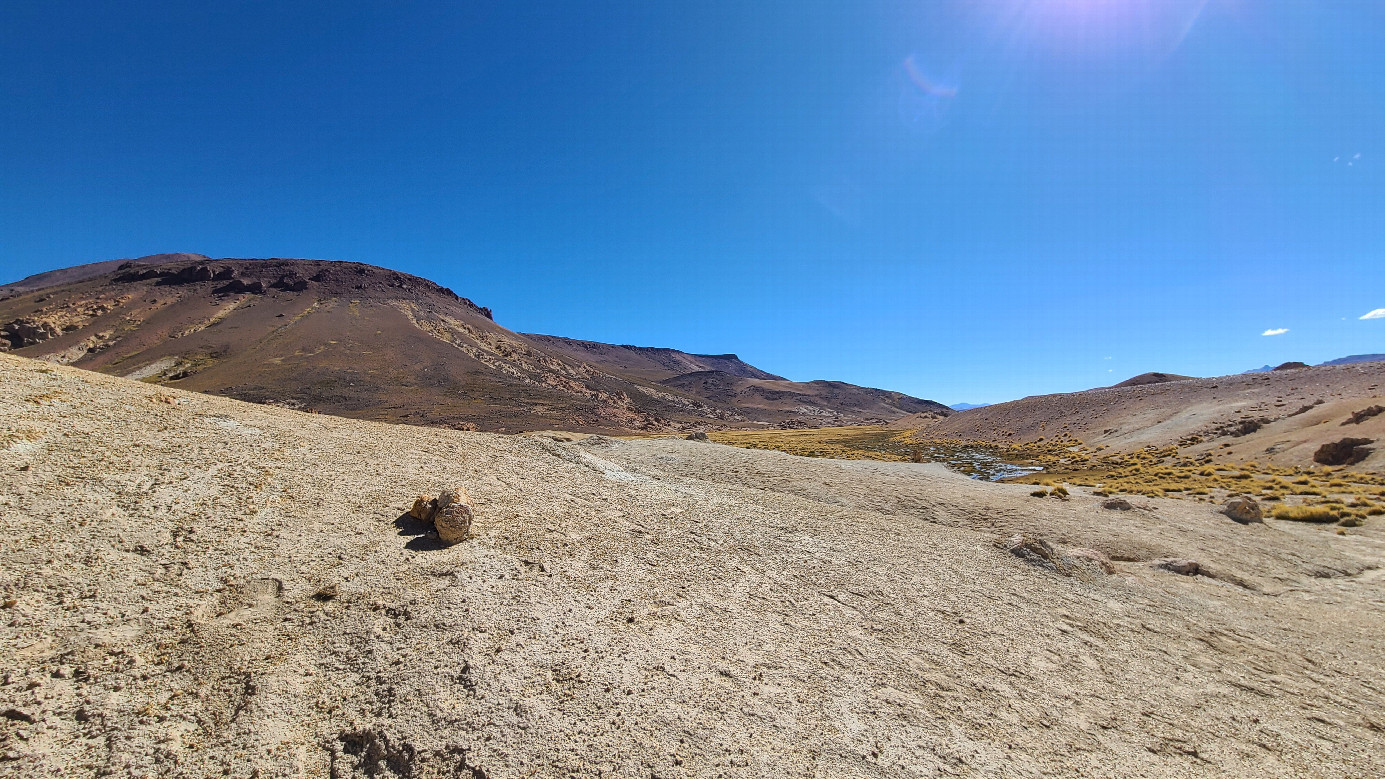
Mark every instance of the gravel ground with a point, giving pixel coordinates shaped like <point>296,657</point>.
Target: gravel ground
<point>196,586</point>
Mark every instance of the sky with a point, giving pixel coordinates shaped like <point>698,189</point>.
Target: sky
<point>964,200</point>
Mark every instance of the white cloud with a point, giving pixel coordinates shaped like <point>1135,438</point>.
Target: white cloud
<point>1379,313</point>
<point>1276,331</point>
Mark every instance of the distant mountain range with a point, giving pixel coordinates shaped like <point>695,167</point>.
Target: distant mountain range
<point>367,342</point>
<point>965,406</point>
<point>1348,360</point>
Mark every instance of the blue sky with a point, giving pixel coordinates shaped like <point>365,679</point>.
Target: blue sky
<point>966,201</point>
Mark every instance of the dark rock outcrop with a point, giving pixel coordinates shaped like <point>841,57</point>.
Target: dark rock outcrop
<point>1357,417</point>
<point>238,286</point>
<point>28,332</point>
<point>1348,451</point>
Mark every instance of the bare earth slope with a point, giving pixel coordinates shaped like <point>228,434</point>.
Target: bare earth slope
<point>366,342</point>
<point>196,586</point>
<point>803,404</point>
<point>1280,417</point>
<point>648,362</point>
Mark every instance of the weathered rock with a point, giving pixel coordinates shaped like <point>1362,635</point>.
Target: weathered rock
<point>422,509</point>
<point>1117,504</point>
<point>698,436</point>
<point>1033,550</point>
<point>1348,451</point>
<point>1092,558</point>
<point>1178,566</point>
<point>291,283</point>
<point>449,513</point>
<point>453,522</point>
<point>28,332</point>
<point>189,275</point>
<point>237,286</point>
<point>1243,509</point>
<point>1357,417</point>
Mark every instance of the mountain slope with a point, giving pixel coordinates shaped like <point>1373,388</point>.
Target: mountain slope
<point>813,403</point>
<point>1355,358</point>
<point>1280,417</point>
<point>648,362</point>
<point>365,342</point>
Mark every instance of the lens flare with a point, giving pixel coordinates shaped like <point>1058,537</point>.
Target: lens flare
<point>925,84</point>
<point>1082,27</point>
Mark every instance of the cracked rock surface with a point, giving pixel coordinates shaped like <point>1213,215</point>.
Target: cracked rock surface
<point>195,586</point>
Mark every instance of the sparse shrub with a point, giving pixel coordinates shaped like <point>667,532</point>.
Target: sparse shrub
<point>1352,522</point>
<point>1375,511</point>
<point>1321,514</point>
<point>1039,494</point>
<point>1060,492</point>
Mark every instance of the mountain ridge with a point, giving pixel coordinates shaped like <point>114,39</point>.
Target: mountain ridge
<point>367,342</point>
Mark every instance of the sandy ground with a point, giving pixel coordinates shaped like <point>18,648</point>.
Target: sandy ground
<point>195,586</point>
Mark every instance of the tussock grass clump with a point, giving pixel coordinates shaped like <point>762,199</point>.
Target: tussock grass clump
<point>1039,494</point>
<point>1320,514</point>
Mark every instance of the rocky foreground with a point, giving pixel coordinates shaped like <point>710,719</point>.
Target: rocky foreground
<point>196,586</point>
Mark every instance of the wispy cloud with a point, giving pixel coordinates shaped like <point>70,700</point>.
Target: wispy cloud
<point>1379,313</point>
<point>1276,331</point>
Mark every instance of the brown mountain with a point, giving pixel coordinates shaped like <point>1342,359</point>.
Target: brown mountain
<point>649,362</point>
<point>366,342</point>
<point>1152,378</point>
<point>1280,417</point>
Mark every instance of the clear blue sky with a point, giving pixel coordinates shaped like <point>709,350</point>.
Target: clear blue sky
<point>961,199</point>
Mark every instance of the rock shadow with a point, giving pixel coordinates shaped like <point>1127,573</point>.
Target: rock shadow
<point>423,538</point>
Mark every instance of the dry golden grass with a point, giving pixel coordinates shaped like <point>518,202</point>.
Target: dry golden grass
<point>1305,513</point>
<point>1153,471</point>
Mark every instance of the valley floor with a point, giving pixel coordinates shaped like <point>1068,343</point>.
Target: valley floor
<point>195,586</point>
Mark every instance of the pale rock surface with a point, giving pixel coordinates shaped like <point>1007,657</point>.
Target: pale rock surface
<point>211,588</point>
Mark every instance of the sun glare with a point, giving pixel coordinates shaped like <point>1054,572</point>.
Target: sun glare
<point>1094,26</point>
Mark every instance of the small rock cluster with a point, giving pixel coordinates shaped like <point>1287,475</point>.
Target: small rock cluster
<point>449,514</point>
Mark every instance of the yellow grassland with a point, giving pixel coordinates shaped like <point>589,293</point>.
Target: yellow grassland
<point>1350,497</point>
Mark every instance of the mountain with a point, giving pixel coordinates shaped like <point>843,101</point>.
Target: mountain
<point>1152,378</point>
<point>1277,417</point>
<point>1355,358</point>
<point>965,406</point>
<point>648,362</point>
<point>371,343</point>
